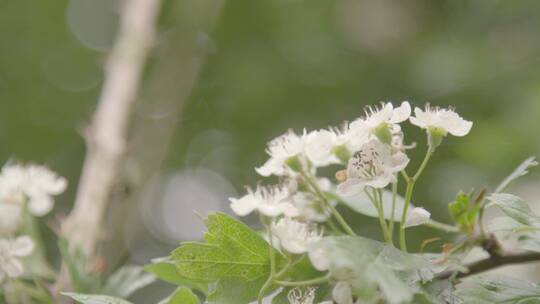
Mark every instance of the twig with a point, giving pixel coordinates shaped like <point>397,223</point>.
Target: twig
<point>494,261</point>
<point>106,137</point>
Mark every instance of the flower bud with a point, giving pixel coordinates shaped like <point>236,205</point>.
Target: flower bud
<point>435,136</point>
<point>342,153</point>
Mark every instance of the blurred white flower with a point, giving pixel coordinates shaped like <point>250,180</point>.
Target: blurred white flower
<point>281,149</point>
<point>319,147</point>
<point>269,201</point>
<point>35,183</point>
<point>310,207</point>
<point>294,236</point>
<point>446,120</point>
<point>10,252</point>
<point>373,165</point>
<point>417,216</point>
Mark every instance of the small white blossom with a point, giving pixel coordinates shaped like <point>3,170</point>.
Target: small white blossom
<point>445,119</point>
<point>417,216</point>
<point>36,183</point>
<point>280,150</point>
<point>379,122</point>
<point>10,252</point>
<point>386,115</point>
<point>373,165</point>
<point>269,201</point>
<point>294,236</point>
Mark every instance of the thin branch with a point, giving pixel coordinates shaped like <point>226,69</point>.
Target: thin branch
<point>494,261</point>
<point>106,137</point>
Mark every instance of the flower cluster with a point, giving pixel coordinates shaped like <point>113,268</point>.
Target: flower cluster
<point>372,154</point>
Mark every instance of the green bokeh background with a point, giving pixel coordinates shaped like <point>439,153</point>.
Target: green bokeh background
<point>269,65</point>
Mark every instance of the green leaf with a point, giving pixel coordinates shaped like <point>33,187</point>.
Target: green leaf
<point>464,212</point>
<point>234,255</point>
<point>94,299</point>
<point>520,223</point>
<point>498,289</point>
<point>236,291</point>
<point>372,267</point>
<point>184,296</point>
<point>362,204</point>
<point>126,280</point>
<point>165,270</point>
<point>77,265</point>
<point>520,171</point>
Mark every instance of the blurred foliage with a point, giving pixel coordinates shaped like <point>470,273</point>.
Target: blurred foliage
<point>270,65</point>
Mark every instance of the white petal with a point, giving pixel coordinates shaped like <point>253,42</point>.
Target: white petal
<point>293,246</point>
<point>40,205</point>
<point>271,210</point>
<point>350,187</point>
<point>244,205</point>
<point>419,118</point>
<point>417,216</point>
<point>400,161</point>
<point>401,113</point>
<point>456,125</point>
<point>271,167</point>
<point>382,181</point>
<point>22,246</point>
<point>319,259</point>
<point>342,293</point>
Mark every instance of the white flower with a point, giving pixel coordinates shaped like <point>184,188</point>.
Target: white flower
<point>319,146</point>
<point>417,216</point>
<point>373,165</point>
<point>10,251</point>
<point>444,119</point>
<point>280,150</point>
<point>269,201</point>
<point>386,115</point>
<point>379,122</point>
<point>296,296</point>
<point>294,236</point>
<point>36,183</point>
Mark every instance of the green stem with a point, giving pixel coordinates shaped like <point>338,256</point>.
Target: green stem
<point>408,195</point>
<point>341,221</point>
<point>272,254</point>
<point>380,210</point>
<point>392,214</point>
<point>311,282</point>
<point>441,226</point>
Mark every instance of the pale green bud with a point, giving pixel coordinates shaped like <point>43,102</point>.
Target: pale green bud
<point>383,133</point>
